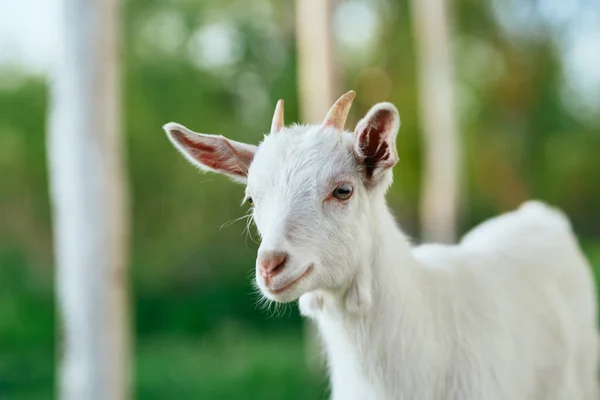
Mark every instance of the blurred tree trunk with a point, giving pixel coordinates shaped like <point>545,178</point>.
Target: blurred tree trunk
<point>441,183</point>
<point>316,81</point>
<point>317,91</point>
<point>89,199</point>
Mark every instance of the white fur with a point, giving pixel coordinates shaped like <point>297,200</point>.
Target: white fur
<point>509,313</point>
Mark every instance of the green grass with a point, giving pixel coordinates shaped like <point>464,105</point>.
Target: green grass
<point>230,364</point>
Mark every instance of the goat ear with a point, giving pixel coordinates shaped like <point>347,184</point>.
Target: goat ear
<point>375,139</point>
<point>212,152</point>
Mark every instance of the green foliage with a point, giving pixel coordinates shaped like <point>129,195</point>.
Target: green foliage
<point>27,326</point>
<point>222,366</point>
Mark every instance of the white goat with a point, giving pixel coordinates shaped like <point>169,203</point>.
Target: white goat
<point>509,313</point>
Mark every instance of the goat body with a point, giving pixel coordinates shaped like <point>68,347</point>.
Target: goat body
<point>509,313</point>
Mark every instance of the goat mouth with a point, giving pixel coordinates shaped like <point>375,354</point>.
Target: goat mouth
<point>293,282</point>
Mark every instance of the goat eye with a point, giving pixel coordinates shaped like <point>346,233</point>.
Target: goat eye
<point>343,191</point>
<point>249,200</point>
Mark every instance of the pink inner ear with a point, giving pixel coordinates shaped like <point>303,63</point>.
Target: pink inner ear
<point>373,141</point>
<point>218,154</point>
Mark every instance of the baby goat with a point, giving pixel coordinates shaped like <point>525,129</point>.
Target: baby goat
<point>509,313</point>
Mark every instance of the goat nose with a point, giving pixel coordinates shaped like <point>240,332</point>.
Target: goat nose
<point>271,263</point>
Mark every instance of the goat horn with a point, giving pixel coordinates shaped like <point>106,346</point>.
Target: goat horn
<point>277,123</point>
<point>336,117</point>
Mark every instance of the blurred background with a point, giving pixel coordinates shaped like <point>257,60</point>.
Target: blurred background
<point>527,108</point>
